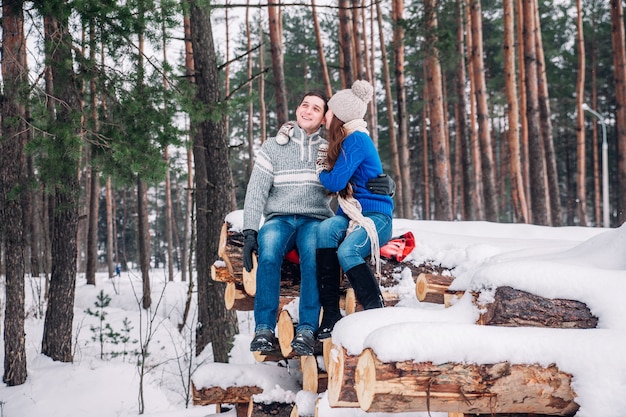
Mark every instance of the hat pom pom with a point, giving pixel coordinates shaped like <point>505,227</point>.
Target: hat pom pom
<point>363,90</point>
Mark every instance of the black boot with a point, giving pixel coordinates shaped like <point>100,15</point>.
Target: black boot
<point>365,287</point>
<point>328,286</point>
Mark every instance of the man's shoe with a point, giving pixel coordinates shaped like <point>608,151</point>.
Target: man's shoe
<point>263,341</point>
<point>303,342</point>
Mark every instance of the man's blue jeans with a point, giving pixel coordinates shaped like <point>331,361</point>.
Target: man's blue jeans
<point>277,237</point>
<point>354,248</point>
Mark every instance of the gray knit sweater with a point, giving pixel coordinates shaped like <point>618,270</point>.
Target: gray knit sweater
<point>284,181</point>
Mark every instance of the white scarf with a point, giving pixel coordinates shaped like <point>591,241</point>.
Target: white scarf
<point>352,208</point>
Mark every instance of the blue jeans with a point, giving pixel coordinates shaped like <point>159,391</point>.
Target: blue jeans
<point>277,237</point>
<point>354,248</point>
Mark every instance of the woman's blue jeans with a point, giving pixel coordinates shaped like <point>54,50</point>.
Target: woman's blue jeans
<point>355,247</point>
<point>277,237</point>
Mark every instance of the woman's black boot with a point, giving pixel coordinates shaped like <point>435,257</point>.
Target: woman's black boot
<point>328,285</point>
<point>365,286</point>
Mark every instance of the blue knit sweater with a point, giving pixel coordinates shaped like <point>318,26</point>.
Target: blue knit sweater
<point>357,163</point>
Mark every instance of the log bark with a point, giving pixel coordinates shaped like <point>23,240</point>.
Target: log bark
<point>515,308</point>
<point>410,386</point>
<point>341,370</point>
<point>218,395</point>
<point>431,288</point>
<point>270,410</point>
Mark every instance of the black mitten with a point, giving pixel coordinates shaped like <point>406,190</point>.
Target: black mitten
<point>383,184</point>
<point>250,245</point>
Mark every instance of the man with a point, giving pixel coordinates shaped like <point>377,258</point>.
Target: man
<point>285,190</point>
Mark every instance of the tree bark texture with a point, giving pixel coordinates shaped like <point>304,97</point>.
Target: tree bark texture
<point>276,48</point>
<point>515,166</point>
<point>57,335</point>
<point>516,308</point>
<point>619,65</point>
<point>13,195</point>
<point>439,141</point>
<point>484,133</point>
<point>546,126</point>
<point>406,203</point>
<point>216,324</point>
<point>538,174</point>
<point>143,241</point>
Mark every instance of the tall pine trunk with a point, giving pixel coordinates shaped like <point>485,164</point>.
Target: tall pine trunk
<point>442,190</point>
<point>216,325</point>
<point>276,47</point>
<point>581,149</point>
<point>486,149</point>
<point>64,153</point>
<point>619,64</point>
<point>515,169</point>
<point>13,196</point>
<point>554,199</point>
<point>538,182</point>
<point>406,200</point>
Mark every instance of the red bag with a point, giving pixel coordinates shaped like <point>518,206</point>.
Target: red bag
<point>293,256</point>
<point>398,248</point>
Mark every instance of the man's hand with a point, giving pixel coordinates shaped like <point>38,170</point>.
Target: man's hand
<point>249,245</point>
<point>383,184</point>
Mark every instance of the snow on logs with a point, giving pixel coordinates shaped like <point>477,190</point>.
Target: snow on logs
<point>242,385</point>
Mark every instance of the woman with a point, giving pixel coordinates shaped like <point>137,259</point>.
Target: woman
<point>363,221</point>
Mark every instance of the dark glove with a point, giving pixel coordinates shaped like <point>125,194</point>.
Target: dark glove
<point>383,184</point>
<point>249,245</point>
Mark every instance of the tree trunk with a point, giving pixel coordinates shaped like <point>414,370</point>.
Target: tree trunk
<point>111,258</point>
<point>92,227</point>
<point>13,196</point>
<point>619,65</point>
<point>169,220</point>
<point>486,149</point>
<point>515,168</point>
<point>393,141</point>
<point>57,335</point>
<point>276,47</point>
<point>522,101</point>
<point>320,52</point>
<point>477,191</point>
<point>539,201</point>
<point>358,42</point>
<point>463,147</point>
<point>189,72</point>
<point>143,241</point>
<point>546,126</point>
<point>581,151</point>
<point>346,49</point>
<point>216,324</point>
<point>406,200</point>
<point>442,191</point>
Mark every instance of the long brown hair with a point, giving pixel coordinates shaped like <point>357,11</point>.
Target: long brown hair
<point>336,136</point>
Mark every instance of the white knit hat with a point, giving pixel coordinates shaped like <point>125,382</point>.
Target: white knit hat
<point>351,104</point>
